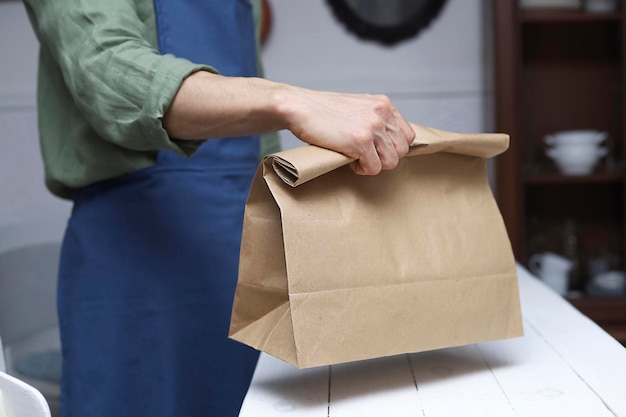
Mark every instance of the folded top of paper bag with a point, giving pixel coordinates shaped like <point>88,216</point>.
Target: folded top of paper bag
<point>299,165</point>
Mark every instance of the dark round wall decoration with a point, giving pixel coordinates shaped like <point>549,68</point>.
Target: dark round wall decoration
<point>386,21</point>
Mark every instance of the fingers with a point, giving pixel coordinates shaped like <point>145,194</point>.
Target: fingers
<point>406,131</point>
<point>367,128</point>
<point>389,140</point>
<point>379,154</point>
<point>368,164</point>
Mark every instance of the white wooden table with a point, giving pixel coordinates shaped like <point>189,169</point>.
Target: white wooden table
<point>564,365</point>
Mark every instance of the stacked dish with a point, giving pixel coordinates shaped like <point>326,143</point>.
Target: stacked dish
<point>549,4</point>
<point>576,152</point>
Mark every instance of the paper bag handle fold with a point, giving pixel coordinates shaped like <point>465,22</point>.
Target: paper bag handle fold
<point>299,165</point>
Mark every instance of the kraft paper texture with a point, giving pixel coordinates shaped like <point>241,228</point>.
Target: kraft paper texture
<point>337,267</point>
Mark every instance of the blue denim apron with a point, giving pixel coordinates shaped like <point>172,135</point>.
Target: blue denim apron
<point>149,260</point>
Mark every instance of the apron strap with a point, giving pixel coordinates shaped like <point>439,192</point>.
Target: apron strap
<point>219,33</point>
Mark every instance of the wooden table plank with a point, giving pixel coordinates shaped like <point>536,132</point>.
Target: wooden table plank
<point>537,381</point>
<point>564,365</point>
<point>593,354</point>
<point>387,384</point>
<point>279,389</point>
<point>458,382</point>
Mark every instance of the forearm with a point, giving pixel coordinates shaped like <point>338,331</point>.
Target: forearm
<point>365,127</point>
<point>210,105</point>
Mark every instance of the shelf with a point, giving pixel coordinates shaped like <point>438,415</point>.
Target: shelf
<point>559,69</point>
<point>601,309</point>
<point>608,312</point>
<point>559,179</point>
<point>599,303</point>
<point>565,16</point>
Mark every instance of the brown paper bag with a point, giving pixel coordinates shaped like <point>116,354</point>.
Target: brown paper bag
<point>337,267</point>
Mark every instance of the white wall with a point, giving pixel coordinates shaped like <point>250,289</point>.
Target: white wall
<point>436,80</point>
<point>23,196</point>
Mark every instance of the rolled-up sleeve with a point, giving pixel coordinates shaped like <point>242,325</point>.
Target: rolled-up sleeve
<point>117,80</point>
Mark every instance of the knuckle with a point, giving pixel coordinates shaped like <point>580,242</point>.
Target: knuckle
<point>370,166</point>
<point>389,158</point>
<point>383,99</point>
<point>362,137</point>
<point>373,170</point>
<point>377,125</point>
<point>373,123</point>
<point>382,102</point>
<point>403,148</point>
<point>391,164</point>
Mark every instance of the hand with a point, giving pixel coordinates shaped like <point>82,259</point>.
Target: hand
<point>366,127</point>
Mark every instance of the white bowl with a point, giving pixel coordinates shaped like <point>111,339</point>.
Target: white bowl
<point>610,280</point>
<point>576,137</point>
<point>576,160</point>
<point>571,168</point>
<point>607,284</point>
<point>576,153</point>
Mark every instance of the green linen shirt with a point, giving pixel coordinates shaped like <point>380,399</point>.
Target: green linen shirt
<point>103,89</point>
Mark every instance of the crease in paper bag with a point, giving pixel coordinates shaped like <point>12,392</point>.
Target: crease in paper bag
<point>300,165</point>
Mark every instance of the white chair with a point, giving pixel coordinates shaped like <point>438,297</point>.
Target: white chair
<point>3,367</point>
<point>29,257</point>
<point>18,399</point>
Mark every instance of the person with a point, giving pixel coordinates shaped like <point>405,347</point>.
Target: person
<point>128,93</point>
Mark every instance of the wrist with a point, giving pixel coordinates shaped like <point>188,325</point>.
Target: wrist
<point>285,104</point>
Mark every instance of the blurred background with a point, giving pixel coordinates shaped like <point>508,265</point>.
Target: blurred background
<point>436,79</point>
<point>548,72</point>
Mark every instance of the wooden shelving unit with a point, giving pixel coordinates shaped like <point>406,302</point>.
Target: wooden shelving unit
<point>561,70</point>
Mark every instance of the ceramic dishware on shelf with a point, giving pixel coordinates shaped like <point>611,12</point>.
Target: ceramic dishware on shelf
<point>600,6</point>
<point>607,284</point>
<point>576,160</point>
<point>576,152</point>
<point>550,4</point>
<point>576,137</point>
<point>552,269</point>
